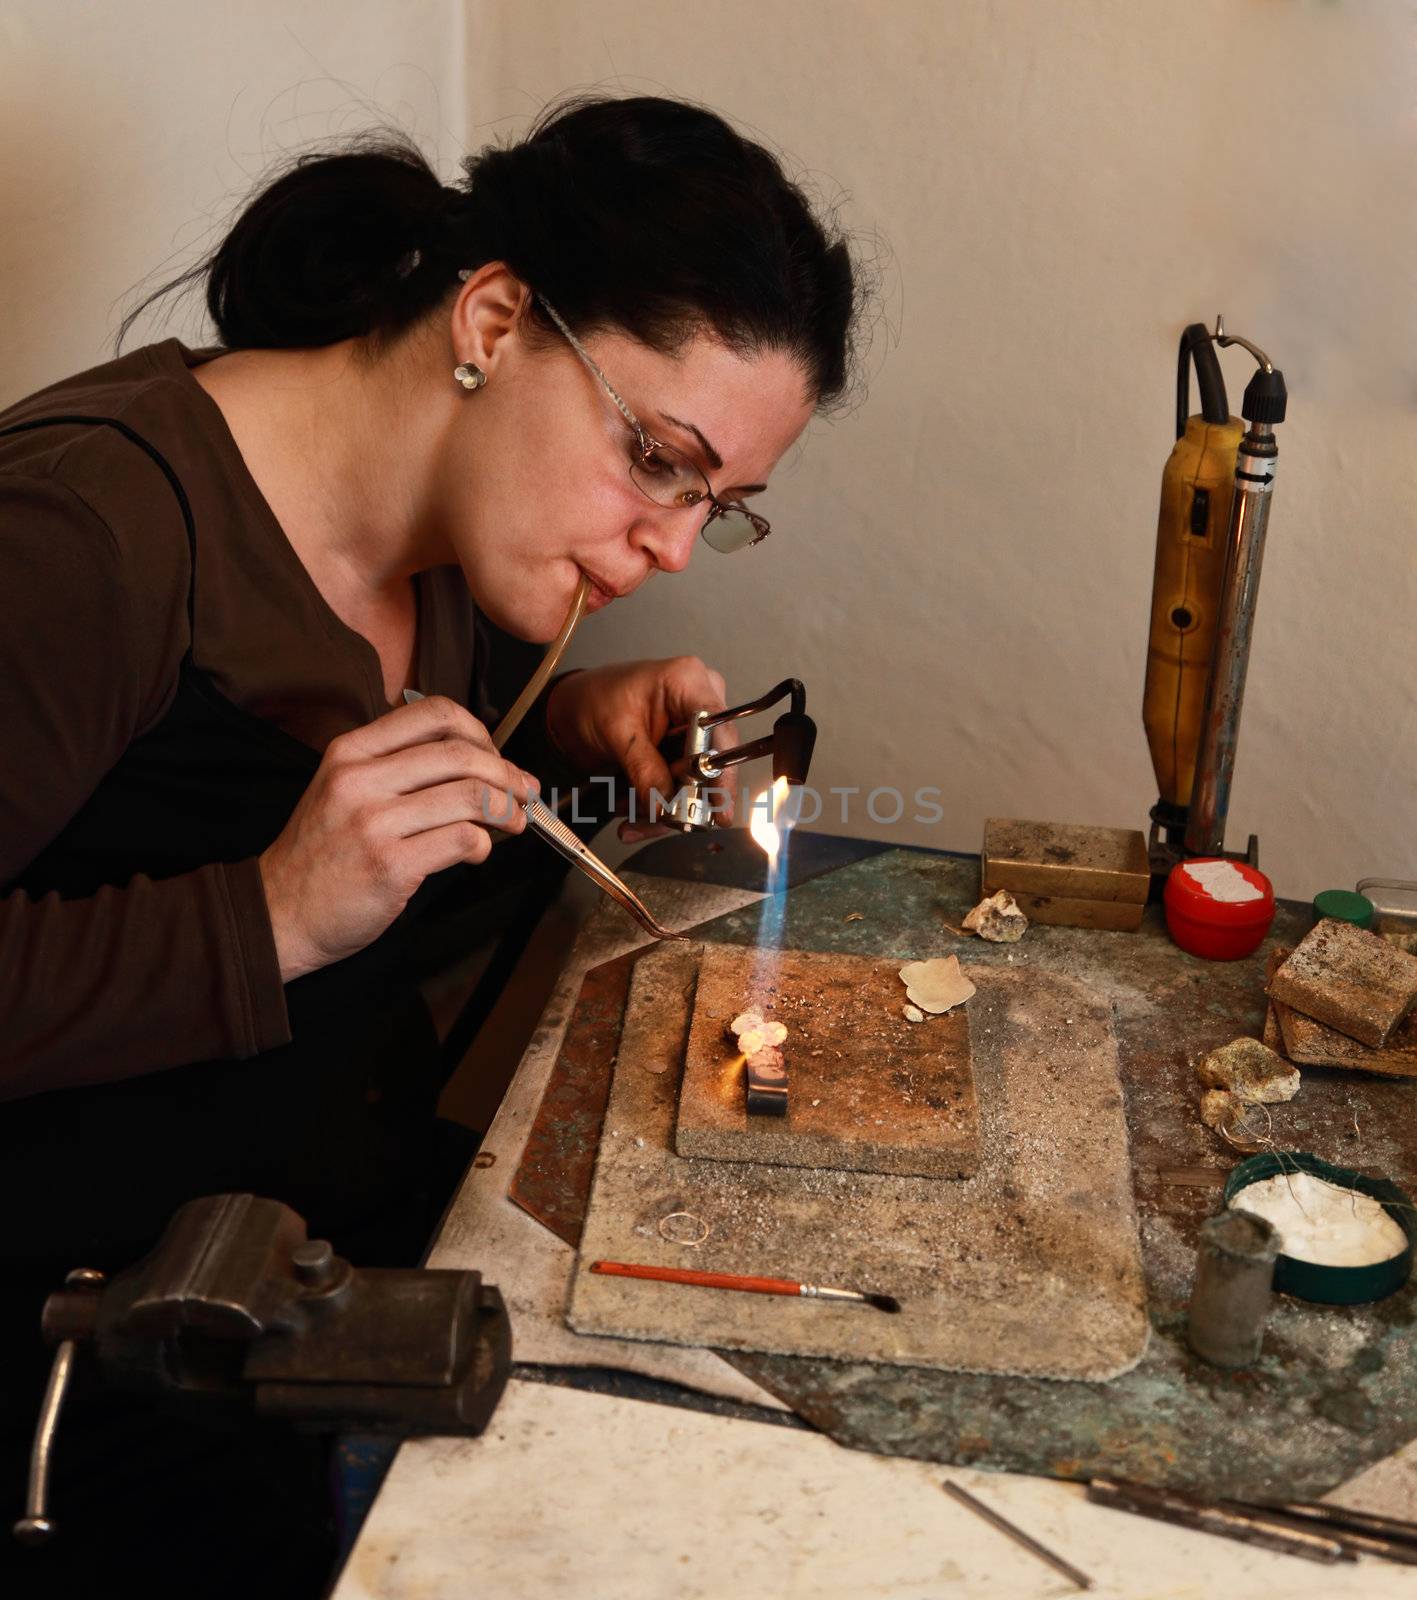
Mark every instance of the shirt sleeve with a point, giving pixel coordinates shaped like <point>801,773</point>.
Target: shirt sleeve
<point>134,979</point>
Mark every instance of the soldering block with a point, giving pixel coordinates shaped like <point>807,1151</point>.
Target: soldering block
<point>1272,1036</point>
<point>1349,979</point>
<point>1315,1044</point>
<point>870,1091</point>
<point>1067,874</point>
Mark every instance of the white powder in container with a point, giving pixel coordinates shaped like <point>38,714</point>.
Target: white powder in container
<point>1322,1222</point>
<point>1223,881</point>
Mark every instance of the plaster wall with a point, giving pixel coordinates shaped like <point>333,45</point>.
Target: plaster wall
<point>132,133</point>
<point>962,568</point>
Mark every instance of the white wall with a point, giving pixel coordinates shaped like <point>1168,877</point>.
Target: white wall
<point>962,570</point>
<point>132,130</point>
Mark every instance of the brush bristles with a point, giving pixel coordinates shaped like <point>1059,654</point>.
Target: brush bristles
<point>883,1302</point>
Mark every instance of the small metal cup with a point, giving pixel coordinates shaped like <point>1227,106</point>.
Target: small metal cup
<point>1231,1297</point>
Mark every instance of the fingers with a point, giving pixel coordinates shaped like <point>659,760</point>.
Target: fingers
<point>436,717</point>
<point>430,852</point>
<point>466,800</point>
<point>646,770</point>
<point>423,765</point>
<point>680,687</point>
<point>688,686</point>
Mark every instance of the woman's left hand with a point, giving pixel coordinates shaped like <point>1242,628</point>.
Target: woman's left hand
<point>616,716</point>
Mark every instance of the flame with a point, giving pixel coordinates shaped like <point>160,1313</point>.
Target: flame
<point>763,815</point>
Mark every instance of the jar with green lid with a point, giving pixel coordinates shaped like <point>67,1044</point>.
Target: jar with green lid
<point>1344,906</point>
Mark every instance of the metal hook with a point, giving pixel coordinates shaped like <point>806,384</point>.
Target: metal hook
<point>1224,340</point>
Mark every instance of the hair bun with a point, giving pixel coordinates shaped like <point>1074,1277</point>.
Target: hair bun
<point>322,254</point>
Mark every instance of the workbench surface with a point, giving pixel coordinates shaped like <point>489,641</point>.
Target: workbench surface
<point>597,1493</point>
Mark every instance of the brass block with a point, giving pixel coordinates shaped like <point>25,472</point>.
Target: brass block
<point>1118,916</point>
<point>1066,861</point>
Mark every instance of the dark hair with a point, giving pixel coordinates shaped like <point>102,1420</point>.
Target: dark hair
<point>648,215</point>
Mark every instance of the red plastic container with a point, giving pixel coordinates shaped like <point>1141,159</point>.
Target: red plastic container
<point>1219,930</point>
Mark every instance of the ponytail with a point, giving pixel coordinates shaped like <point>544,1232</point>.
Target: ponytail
<point>340,246</point>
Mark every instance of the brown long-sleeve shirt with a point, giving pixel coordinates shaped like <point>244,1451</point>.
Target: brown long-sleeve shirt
<point>94,577</point>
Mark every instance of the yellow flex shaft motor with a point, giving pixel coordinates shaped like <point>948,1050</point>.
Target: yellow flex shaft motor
<point>1196,491</point>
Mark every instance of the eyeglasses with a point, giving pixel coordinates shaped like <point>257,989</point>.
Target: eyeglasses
<point>668,477</point>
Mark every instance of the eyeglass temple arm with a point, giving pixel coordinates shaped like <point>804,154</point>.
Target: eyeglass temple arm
<point>594,366</point>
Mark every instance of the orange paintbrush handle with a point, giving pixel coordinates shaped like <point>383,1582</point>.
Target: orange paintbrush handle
<point>703,1280</point>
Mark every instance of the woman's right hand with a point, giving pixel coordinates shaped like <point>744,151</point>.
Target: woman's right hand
<point>408,794</point>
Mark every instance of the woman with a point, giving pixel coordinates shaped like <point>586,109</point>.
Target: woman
<point>434,412</point>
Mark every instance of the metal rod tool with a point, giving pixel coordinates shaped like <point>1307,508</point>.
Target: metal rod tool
<point>1019,1537</point>
<point>1255,463</point>
<point>1229,1520</point>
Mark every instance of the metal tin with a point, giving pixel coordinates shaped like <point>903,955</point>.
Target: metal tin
<point>1332,1286</point>
<point>1065,861</point>
<point>1343,905</point>
<point>1394,904</point>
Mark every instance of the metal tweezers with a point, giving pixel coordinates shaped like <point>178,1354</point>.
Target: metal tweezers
<point>544,821</point>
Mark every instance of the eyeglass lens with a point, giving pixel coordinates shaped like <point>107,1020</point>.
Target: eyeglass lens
<point>671,479</point>
<point>729,532</point>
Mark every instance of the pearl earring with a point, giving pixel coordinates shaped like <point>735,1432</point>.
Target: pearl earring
<point>469,376</point>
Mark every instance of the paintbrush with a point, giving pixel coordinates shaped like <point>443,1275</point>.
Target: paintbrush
<point>734,1280</point>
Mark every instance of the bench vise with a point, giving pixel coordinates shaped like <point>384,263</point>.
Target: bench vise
<point>236,1308</point>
